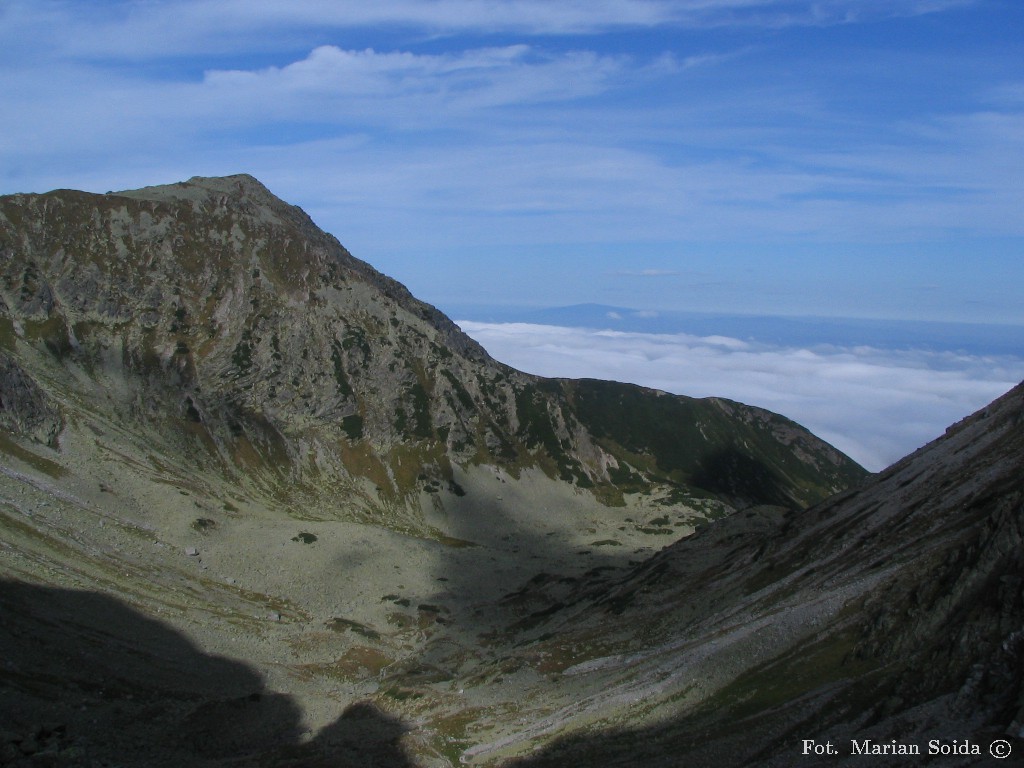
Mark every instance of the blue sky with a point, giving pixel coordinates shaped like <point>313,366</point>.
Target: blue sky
<point>841,158</point>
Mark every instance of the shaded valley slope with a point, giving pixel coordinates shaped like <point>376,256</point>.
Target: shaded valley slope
<point>893,613</point>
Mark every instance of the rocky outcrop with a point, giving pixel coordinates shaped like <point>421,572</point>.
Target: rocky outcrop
<point>25,408</point>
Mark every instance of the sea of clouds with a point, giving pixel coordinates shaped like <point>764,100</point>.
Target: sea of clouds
<point>876,405</point>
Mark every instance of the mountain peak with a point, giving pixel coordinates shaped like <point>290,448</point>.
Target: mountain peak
<point>238,186</point>
<point>240,192</point>
<point>240,315</point>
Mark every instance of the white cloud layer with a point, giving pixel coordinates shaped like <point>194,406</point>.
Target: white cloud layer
<point>876,405</point>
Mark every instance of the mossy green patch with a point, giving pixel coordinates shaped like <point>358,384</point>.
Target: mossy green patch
<point>800,671</point>
<point>353,426</point>
<point>721,449</point>
<point>40,463</point>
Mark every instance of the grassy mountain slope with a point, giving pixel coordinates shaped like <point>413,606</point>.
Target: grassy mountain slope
<point>222,315</point>
<point>260,506</point>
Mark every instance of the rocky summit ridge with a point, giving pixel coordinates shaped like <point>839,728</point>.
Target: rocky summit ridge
<point>260,506</point>
<point>223,315</point>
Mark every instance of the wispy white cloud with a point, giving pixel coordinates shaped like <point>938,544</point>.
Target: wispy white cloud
<point>876,405</point>
<point>648,272</point>
<point>789,13</point>
<point>336,85</point>
<point>158,28</point>
<point>508,130</point>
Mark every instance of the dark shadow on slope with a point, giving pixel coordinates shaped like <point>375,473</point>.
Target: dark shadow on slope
<point>535,572</point>
<point>87,680</point>
<point>363,737</point>
<point>732,474</point>
<point>539,583</point>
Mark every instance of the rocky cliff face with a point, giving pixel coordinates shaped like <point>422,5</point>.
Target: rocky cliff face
<point>225,319</point>
<point>24,408</point>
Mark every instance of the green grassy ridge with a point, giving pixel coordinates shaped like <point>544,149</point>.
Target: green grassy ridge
<point>733,452</point>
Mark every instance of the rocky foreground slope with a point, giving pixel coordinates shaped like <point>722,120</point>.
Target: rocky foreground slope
<point>889,616</point>
<point>260,506</point>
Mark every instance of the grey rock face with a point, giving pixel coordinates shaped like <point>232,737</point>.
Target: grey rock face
<point>24,407</point>
<point>220,313</point>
